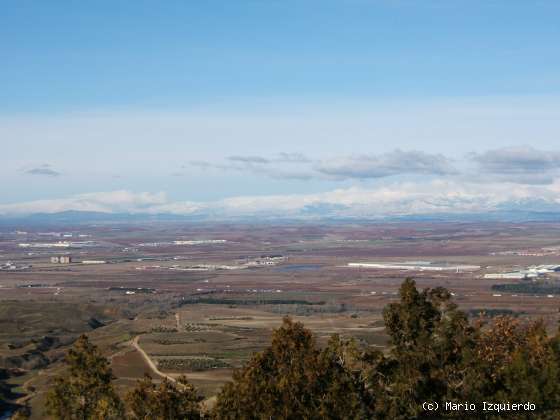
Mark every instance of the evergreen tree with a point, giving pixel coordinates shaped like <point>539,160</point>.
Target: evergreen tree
<point>85,390</point>
<point>293,379</point>
<point>166,401</point>
<point>20,415</point>
<point>4,389</point>
<point>429,337</point>
<point>437,355</point>
<point>516,362</point>
<point>2,392</point>
<point>343,392</point>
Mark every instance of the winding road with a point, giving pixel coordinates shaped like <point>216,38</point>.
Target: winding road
<point>148,360</point>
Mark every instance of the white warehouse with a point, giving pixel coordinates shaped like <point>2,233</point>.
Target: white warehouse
<point>415,266</point>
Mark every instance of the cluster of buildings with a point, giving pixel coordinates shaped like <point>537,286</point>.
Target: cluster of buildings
<point>10,266</point>
<point>65,259</point>
<point>52,234</point>
<point>533,272</point>
<point>541,252</point>
<point>263,261</point>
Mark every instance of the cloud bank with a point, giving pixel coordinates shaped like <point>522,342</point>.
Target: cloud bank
<point>105,202</point>
<point>524,165</point>
<point>388,164</point>
<point>408,198</point>
<point>401,183</point>
<point>521,165</point>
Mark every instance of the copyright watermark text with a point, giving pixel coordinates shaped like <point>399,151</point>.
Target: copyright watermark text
<point>484,406</point>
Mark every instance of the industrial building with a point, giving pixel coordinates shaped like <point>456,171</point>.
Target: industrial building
<point>416,266</point>
<point>518,275</point>
<point>201,242</point>
<point>532,272</point>
<point>64,259</point>
<point>59,244</point>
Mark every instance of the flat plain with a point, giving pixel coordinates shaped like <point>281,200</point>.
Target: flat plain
<point>199,300</point>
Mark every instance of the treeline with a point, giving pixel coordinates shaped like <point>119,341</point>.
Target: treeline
<point>478,312</point>
<point>533,288</point>
<point>264,301</point>
<point>436,355</point>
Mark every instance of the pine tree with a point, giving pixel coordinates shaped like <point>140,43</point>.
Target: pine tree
<point>429,340</point>
<point>341,389</point>
<point>166,401</point>
<point>516,362</point>
<point>21,414</point>
<point>85,390</point>
<point>4,390</point>
<point>436,354</point>
<point>293,379</point>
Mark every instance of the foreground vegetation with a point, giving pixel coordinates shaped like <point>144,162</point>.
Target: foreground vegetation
<point>436,355</point>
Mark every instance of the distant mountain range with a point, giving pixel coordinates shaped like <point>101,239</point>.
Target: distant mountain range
<point>315,214</point>
<point>83,217</point>
<point>437,201</point>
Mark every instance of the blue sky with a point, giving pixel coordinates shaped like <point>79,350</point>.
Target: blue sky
<point>68,55</point>
<point>208,101</point>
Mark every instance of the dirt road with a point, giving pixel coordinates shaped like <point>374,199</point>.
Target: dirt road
<point>148,360</point>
